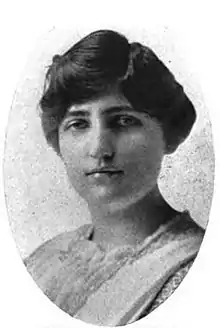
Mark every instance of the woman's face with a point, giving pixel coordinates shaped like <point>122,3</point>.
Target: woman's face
<point>112,153</point>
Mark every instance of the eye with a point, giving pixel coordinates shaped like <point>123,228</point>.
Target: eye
<point>78,124</point>
<point>126,120</point>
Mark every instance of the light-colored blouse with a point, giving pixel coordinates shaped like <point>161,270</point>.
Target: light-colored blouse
<point>121,286</point>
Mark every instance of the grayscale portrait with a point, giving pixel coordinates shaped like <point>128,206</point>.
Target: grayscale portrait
<point>108,177</point>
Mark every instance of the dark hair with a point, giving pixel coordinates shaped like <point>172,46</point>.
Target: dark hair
<point>105,58</point>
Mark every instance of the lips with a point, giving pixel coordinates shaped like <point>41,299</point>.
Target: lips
<point>107,171</point>
<point>105,176</point>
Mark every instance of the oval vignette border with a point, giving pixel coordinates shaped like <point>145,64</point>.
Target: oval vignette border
<point>189,273</point>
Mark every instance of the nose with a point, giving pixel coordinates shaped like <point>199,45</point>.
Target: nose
<point>102,145</point>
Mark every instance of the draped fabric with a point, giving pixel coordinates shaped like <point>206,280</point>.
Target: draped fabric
<point>117,287</point>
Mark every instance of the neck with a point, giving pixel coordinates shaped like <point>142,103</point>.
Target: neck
<point>132,224</point>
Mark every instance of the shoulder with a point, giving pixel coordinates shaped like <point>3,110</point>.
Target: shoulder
<point>171,285</point>
<point>57,248</point>
<point>184,224</point>
<point>183,228</point>
<point>181,232</point>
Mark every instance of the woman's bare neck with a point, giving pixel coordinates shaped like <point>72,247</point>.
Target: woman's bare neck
<point>131,225</point>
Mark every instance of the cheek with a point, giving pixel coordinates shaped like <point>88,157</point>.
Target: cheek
<point>142,154</point>
<point>71,154</point>
<point>149,162</point>
<point>141,148</point>
<point>72,158</point>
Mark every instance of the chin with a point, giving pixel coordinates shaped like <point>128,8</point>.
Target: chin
<point>108,203</point>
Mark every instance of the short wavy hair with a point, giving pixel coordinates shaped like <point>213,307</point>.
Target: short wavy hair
<point>103,59</point>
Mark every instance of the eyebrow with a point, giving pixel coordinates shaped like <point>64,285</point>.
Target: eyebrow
<point>109,111</point>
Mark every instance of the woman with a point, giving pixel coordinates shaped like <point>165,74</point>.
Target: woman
<point>112,110</point>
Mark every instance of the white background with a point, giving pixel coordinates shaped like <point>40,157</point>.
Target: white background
<point>196,302</point>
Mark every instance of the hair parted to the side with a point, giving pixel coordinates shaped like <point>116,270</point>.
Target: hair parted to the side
<point>104,59</point>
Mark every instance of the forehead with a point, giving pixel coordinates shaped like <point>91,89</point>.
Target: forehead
<point>102,103</point>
